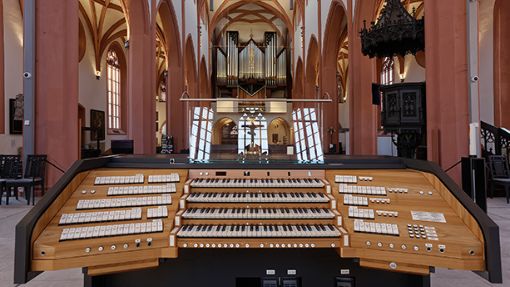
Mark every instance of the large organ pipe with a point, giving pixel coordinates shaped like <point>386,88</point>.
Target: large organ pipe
<point>251,61</point>
<point>221,67</point>
<point>271,45</point>
<point>282,68</point>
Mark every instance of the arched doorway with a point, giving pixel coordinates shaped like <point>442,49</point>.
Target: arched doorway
<point>279,133</point>
<point>225,132</point>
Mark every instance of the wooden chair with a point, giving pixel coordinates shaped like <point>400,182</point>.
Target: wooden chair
<point>10,167</point>
<point>499,174</point>
<point>35,171</point>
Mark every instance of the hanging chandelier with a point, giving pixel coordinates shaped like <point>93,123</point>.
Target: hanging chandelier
<point>396,33</point>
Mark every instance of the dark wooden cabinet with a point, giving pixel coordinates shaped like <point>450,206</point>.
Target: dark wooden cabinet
<point>403,114</point>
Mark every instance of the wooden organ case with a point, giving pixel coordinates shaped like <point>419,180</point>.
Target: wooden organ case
<point>133,221</point>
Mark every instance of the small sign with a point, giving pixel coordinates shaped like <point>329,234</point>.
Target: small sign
<point>270,272</point>
<point>291,272</point>
<point>428,216</point>
<point>345,271</point>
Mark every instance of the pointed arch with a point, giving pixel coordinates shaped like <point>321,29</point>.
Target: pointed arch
<point>138,16</point>
<point>204,80</point>
<point>190,68</point>
<point>312,68</point>
<point>298,80</point>
<point>121,102</point>
<point>171,32</point>
<point>335,34</point>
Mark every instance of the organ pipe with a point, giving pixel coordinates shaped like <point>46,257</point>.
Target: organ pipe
<point>251,61</point>
<point>221,67</point>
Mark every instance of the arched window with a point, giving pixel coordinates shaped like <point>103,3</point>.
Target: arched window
<point>113,90</point>
<point>387,74</point>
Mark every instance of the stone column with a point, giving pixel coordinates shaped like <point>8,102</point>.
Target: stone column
<point>362,114</point>
<point>141,77</point>
<point>447,82</point>
<point>56,93</point>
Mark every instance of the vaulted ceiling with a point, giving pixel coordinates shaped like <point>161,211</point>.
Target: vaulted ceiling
<point>259,16</point>
<point>105,22</point>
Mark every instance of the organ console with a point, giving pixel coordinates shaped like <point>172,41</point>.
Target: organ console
<point>133,220</point>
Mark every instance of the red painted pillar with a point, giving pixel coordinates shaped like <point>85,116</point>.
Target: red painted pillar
<point>141,78</point>
<point>447,82</point>
<point>176,109</point>
<point>56,93</point>
<point>362,114</point>
<point>2,77</point>
<point>501,63</point>
<point>330,110</point>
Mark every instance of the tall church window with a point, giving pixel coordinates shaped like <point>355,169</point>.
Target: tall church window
<point>113,90</point>
<point>307,135</point>
<point>387,73</point>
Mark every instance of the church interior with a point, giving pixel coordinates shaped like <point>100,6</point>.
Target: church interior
<point>270,143</point>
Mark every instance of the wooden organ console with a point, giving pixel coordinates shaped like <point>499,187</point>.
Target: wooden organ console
<point>132,221</point>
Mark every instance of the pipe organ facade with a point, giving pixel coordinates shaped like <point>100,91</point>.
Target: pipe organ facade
<point>251,68</point>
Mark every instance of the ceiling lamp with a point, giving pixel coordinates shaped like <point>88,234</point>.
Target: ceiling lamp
<point>396,33</point>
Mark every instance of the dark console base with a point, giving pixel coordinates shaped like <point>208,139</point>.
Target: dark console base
<point>248,268</point>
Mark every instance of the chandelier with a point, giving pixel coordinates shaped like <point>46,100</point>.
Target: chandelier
<point>396,33</point>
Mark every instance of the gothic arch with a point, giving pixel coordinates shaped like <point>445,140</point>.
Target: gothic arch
<point>312,68</point>
<point>228,5</point>
<point>219,127</point>
<point>190,68</point>
<point>336,31</point>
<point>335,34</point>
<point>171,32</point>
<point>138,16</point>
<point>204,80</point>
<point>298,80</point>
<point>280,127</point>
<point>118,49</point>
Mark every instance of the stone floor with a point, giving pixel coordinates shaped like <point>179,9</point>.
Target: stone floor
<point>10,215</point>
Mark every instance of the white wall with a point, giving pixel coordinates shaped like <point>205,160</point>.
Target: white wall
<point>413,72</point>
<point>161,109</point>
<point>13,69</point>
<point>92,92</point>
<point>298,48</point>
<point>486,66</point>
<point>191,25</point>
<point>325,6</point>
<point>204,44</point>
<point>178,14</point>
<point>311,23</point>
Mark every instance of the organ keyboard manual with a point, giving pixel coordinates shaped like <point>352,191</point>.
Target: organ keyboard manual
<point>344,222</point>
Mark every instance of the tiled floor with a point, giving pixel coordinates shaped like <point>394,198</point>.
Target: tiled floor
<point>10,215</point>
